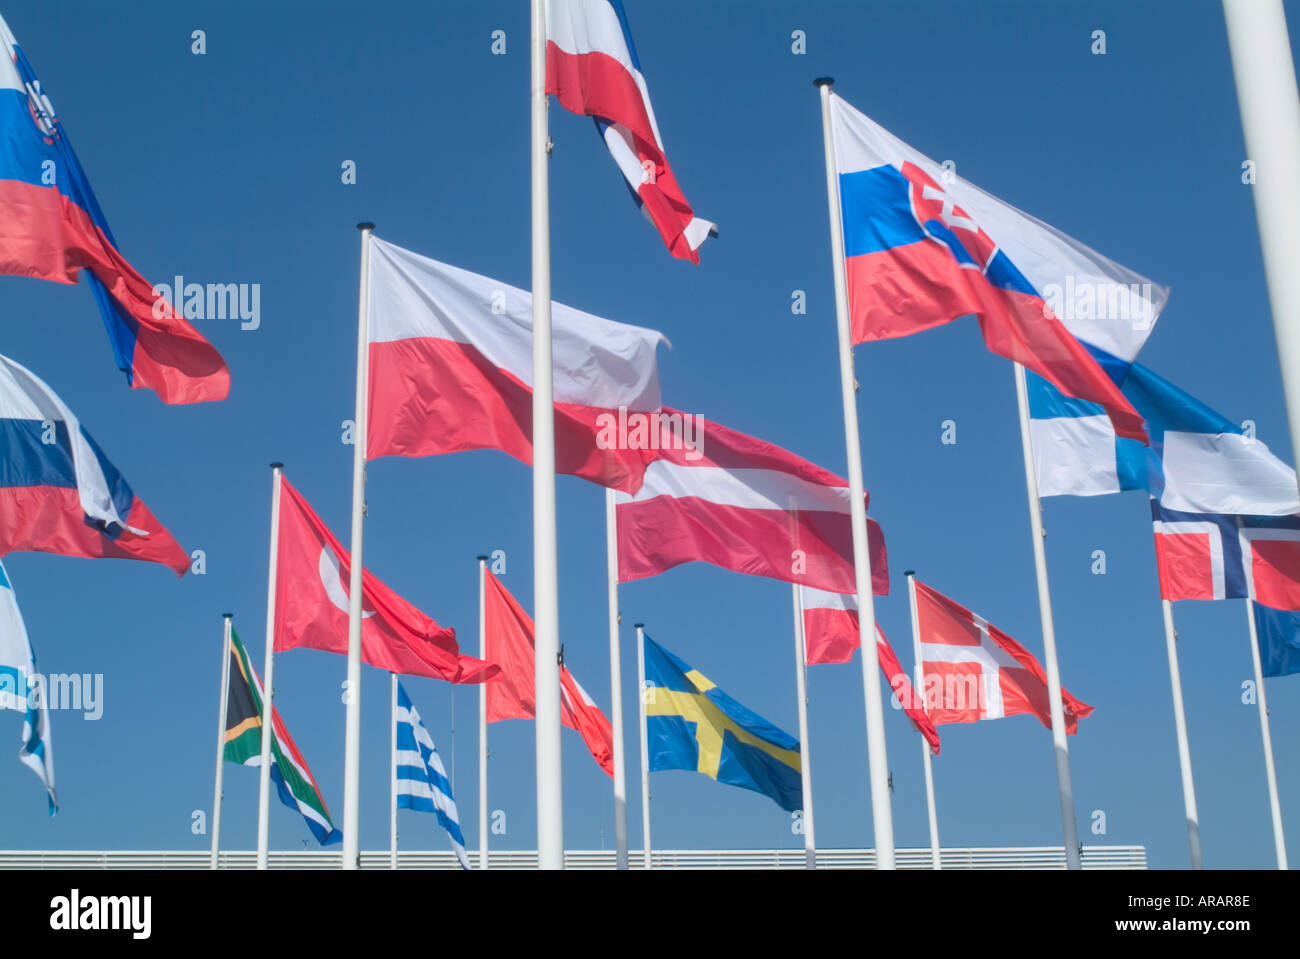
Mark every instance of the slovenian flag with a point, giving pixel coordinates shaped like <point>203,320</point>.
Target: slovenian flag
<point>51,227</point>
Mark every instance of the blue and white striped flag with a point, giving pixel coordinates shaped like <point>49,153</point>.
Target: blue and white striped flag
<point>18,682</point>
<point>421,779</point>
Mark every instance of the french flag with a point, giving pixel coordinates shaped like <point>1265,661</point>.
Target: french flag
<point>715,495</point>
<point>51,227</point>
<point>593,70</point>
<point>830,635</point>
<point>451,369</point>
<point>919,254</point>
<point>58,491</point>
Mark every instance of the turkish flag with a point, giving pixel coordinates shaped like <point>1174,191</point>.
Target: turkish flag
<point>509,634</point>
<point>311,606</point>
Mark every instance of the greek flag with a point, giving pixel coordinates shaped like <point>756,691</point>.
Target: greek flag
<point>421,780</point>
<point>21,688</point>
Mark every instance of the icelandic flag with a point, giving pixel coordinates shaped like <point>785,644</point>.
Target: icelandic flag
<point>21,689</point>
<point>51,227</point>
<point>919,254</point>
<point>1279,640</point>
<point>422,782</point>
<point>593,70</point>
<point>58,491</point>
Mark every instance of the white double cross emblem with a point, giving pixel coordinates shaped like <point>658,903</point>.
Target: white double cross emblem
<point>949,212</point>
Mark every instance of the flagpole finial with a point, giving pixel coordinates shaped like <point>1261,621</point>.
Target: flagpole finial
<point>638,625</point>
<point>365,226</point>
<point>227,615</point>
<point>277,466</point>
<point>909,572</point>
<point>481,559</point>
<point>824,81</point>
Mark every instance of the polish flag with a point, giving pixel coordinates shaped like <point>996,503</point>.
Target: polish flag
<point>975,671</point>
<point>718,496</point>
<point>509,633</point>
<point>830,635</point>
<point>311,606</point>
<point>451,369</point>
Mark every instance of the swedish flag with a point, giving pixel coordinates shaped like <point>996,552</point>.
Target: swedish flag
<point>692,724</point>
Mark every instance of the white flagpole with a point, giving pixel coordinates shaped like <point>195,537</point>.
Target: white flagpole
<point>550,784</point>
<point>352,730</point>
<point>645,746</point>
<point>918,689</point>
<point>1270,119</point>
<point>805,759</point>
<point>616,684</point>
<point>268,678</point>
<point>1064,785</point>
<point>1275,807</point>
<point>221,736</point>
<point>482,720</point>
<point>881,809</point>
<point>392,811</point>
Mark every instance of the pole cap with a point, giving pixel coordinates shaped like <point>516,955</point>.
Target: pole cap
<point>638,625</point>
<point>481,559</point>
<point>367,225</point>
<point>909,572</point>
<point>277,465</point>
<point>227,615</point>
<point>824,81</point>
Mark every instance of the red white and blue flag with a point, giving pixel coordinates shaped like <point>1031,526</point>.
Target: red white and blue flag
<point>51,227</point>
<point>919,254</point>
<point>58,491</point>
<point>593,70</point>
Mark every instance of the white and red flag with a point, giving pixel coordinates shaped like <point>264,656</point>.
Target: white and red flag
<point>451,369</point>
<point>593,70</point>
<point>717,496</point>
<point>311,606</point>
<point>830,635</point>
<point>975,671</point>
<point>509,633</point>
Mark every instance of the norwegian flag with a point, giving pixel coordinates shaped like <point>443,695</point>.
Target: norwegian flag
<point>1222,556</point>
<point>975,671</point>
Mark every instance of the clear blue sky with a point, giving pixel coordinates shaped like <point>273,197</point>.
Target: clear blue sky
<point>226,168</point>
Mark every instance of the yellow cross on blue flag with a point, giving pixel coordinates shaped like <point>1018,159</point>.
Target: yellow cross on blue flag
<point>692,724</point>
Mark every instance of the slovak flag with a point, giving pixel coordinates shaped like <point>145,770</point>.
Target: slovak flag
<point>830,635</point>
<point>58,491</point>
<point>923,247</point>
<point>51,227</point>
<point>311,606</point>
<point>975,671</point>
<point>593,70</point>
<point>510,645</point>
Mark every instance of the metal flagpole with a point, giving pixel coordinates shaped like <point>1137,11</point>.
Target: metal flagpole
<point>1270,119</point>
<point>881,810</point>
<point>482,720</point>
<point>392,781</point>
<point>550,785</point>
<point>352,731</point>
<point>1064,786</point>
<point>221,736</point>
<point>268,689</point>
<point>1180,726</point>
<point>918,689</point>
<point>645,746</point>
<point>805,760</point>
<point>1279,841</point>
<point>616,684</point>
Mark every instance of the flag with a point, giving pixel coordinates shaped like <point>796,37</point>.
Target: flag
<point>975,671</point>
<point>311,606</point>
<point>1199,461</point>
<point>451,369</point>
<point>21,688</point>
<point>509,632</point>
<point>58,491</point>
<point>692,724</point>
<point>1221,556</point>
<point>830,635</point>
<point>294,782</point>
<point>422,782</point>
<point>717,496</point>
<point>51,227</point>
<point>919,254</point>
<point>592,70</point>
<point>1279,640</point>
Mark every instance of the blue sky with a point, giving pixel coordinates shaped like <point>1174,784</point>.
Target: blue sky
<point>226,168</point>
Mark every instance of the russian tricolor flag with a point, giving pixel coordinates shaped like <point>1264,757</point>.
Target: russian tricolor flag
<point>51,227</point>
